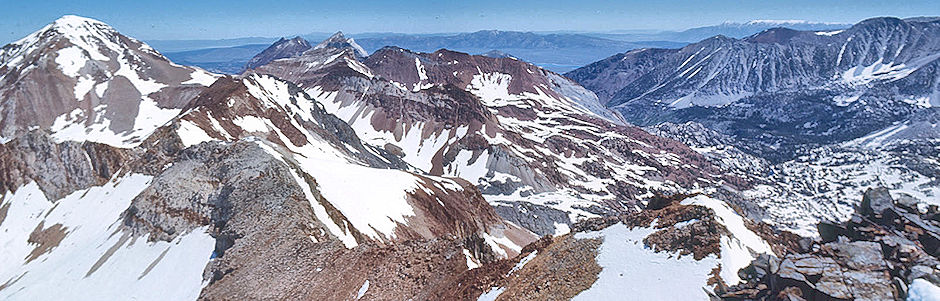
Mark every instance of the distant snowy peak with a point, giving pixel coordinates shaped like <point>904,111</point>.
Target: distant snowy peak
<point>784,23</point>
<point>83,80</point>
<point>338,40</point>
<point>283,48</point>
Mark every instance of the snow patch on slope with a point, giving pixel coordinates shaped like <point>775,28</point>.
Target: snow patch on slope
<point>70,60</point>
<point>923,290</point>
<point>80,264</point>
<point>738,250</point>
<point>191,134</point>
<point>374,212</point>
<point>632,269</point>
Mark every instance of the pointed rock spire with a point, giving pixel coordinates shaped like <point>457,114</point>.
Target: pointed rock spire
<point>338,40</point>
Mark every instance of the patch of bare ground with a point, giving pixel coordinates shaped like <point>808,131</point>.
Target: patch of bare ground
<point>11,281</point>
<point>45,239</point>
<point>699,235</point>
<point>3,211</point>
<point>563,269</point>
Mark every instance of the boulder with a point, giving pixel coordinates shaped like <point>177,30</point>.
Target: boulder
<point>875,201</point>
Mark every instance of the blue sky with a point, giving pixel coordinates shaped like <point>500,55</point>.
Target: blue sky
<point>212,19</point>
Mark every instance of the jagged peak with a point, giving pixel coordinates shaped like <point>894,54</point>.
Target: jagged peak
<point>337,36</point>
<point>338,40</point>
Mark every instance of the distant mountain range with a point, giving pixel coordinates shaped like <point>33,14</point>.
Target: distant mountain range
<point>841,82</point>
<point>556,51</point>
<point>729,29</point>
<point>228,60</point>
<point>166,46</point>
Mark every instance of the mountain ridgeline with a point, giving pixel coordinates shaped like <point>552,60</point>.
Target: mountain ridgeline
<point>780,89</point>
<point>787,164</point>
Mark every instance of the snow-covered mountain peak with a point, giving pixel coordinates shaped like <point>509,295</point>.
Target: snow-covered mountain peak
<point>338,40</point>
<point>777,22</point>
<point>789,22</point>
<point>76,22</point>
<point>91,36</point>
<point>84,81</point>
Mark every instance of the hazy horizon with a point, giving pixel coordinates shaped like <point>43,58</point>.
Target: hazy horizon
<point>211,20</point>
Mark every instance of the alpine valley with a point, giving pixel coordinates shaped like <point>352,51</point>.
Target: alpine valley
<point>784,165</point>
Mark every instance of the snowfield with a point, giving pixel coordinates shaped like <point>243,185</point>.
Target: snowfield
<point>631,269</point>
<point>96,259</point>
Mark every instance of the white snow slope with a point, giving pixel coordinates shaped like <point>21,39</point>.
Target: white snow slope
<point>95,260</point>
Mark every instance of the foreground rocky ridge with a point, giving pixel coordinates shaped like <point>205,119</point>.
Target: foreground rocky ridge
<point>683,247</point>
<point>887,250</point>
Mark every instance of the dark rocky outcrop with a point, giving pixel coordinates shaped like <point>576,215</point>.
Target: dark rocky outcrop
<point>539,219</point>
<point>58,168</point>
<point>884,247</point>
